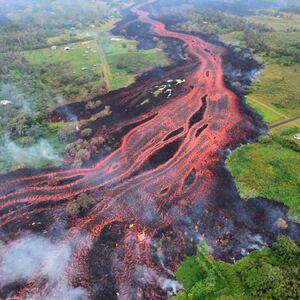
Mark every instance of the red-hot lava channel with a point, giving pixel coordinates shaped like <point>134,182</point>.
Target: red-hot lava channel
<point>158,194</point>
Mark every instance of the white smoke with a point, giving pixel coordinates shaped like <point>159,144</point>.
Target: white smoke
<point>32,256</point>
<point>11,93</point>
<point>145,275</point>
<point>26,155</point>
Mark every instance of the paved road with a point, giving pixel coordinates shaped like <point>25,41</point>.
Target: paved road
<point>285,122</point>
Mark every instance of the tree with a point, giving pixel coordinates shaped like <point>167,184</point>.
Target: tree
<point>287,250</point>
<point>80,204</point>
<point>85,133</point>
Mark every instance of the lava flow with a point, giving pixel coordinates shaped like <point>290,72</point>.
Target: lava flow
<point>161,191</point>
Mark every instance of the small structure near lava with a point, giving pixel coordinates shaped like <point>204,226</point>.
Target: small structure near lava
<point>297,136</point>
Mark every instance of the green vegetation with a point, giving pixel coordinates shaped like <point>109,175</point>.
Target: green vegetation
<point>276,94</point>
<point>280,42</point>
<point>270,273</point>
<point>279,21</point>
<point>80,204</point>
<point>220,23</point>
<point>91,67</point>
<point>269,169</point>
<point>39,24</point>
<point>81,150</point>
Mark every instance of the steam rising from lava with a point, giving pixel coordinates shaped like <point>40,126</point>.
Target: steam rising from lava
<point>32,257</point>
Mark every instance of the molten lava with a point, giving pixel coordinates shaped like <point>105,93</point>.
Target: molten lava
<point>160,183</point>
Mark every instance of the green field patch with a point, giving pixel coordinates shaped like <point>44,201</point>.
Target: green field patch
<point>233,37</point>
<point>87,33</point>
<point>269,115</point>
<point>278,87</point>
<point>269,169</point>
<point>83,69</point>
<point>288,130</point>
<point>284,22</point>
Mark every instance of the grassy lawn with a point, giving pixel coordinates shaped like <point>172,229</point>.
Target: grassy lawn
<point>236,37</point>
<point>205,278</point>
<point>269,169</point>
<point>282,39</point>
<point>288,130</point>
<point>279,89</point>
<point>258,276</point>
<point>271,115</point>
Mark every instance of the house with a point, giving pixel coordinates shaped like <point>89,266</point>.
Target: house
<point>297,136</point>
<point>4,102</point>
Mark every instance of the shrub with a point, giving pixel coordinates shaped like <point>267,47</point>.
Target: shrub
<point>86,132</point>
<point>265,139</point>
<point>80,204</point>
<point>286,249</point>
<point>67,132</point>
<point>81,156</point>
<point>97,141</point>
<point>102,114</point>
<point>92,105</point>
<point>53,180</point>
<point>269,273</point>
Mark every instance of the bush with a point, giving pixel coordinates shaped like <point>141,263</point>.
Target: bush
<point>53,180</point>
<point>265,139</point>
<point>81,156</point>
<point>86,132</point>
<point>80,204</point>
<point>286,60</point>
<point>67,132</point>
<point>92,105</point>
<point>97,141</point>
<point>287,143</point>
<point>287,250</point>
<point>102,114</point>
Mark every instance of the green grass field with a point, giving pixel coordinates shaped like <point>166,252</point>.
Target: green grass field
<point>278,89</point>
<point>92,67</point>
<point>285,22</point>
<point>288,130</point>
<point>268,170</point>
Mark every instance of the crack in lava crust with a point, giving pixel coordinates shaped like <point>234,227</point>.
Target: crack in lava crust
<point>164,167</point>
